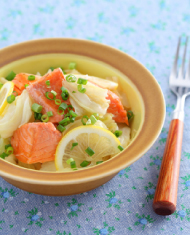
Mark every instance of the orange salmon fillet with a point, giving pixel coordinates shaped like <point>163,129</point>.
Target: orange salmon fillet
<point>38,89</point>
<point>116,108</point>
<point>35,142</point>
<point>21,79</point>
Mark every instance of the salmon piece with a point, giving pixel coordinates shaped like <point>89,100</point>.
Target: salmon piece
<point>35,142</point>
<point>38,89</point>
<point>115,107</point>
<point>21,79</point>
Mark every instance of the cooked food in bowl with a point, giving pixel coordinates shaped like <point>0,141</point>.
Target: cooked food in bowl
<point>63,120</point>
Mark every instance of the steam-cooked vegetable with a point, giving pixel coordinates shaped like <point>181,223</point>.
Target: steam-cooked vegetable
<point>124,138</point>
<point>93,100</point>
<point>107,84</point>
<point>15,114</point>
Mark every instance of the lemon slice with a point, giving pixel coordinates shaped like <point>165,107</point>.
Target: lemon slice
<point>103,143</point>
<point>5,91</point>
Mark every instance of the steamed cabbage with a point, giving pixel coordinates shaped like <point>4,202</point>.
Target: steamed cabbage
<point>107,119</point>
<point>125,137</point>
<point>93,100</point>
<point>106,84</point>
<point>15,114</point>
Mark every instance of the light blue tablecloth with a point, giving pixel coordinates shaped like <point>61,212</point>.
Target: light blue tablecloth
<point>148,31</point>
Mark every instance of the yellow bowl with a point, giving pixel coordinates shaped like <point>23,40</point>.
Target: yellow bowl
<point>142,90</point>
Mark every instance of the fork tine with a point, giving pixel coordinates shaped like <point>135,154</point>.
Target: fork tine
<point>174,68</point>
<point>181,70</point>
<point>187,75</point>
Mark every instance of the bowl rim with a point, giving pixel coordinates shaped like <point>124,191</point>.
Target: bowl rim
<point>39,46</point>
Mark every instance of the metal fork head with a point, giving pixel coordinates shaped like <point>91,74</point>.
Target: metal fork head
<point>179,83</point>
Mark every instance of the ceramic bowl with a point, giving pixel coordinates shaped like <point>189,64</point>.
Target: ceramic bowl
<point>143,92</point>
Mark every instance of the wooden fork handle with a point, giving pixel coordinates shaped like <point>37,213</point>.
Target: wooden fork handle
<point>166,191</point>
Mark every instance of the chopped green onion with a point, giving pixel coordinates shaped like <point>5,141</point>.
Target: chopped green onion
<point>4,155</point>
<point>47,95</point>
<point>73,145</point>
<point>93,119</point>
<point>130,114</point>
<point>85,163</point>
<point>64,94</point>
<point>74,92</point>
<point>52,68</point>
<point>81,89</point>
<point>1,84</point>
<point>7,145</point>
<point>65,120</point>
<point>50,114</point>
<point>117,133</point>
<point>120,148</point>
<point>98,162</point>
<point>36,108</point>
<point>73,164</point>
<point>82,120</point>
<point>82,81</point>
<point>89,151</point>
<point>37,116</point>
<point>66,115</point>
<point>61,128</point>
<point>70,160</point>
<point>54,92</point>
<point>63,89</point>
<point>26,85</point>
<point>10,99</point>
<point>61,112</point>
<point>72,119</point>
<point>10,76</point>
<point>63,106</point>
<point>96,115</point>
<point>48,83</point>
<point>88,122</point>
<point>71,78</point>
<point>72,65</point>
<point>57,102</point>
<point>72,113</point>
<point>45,118</point>
<point>70,106</point>
<point>9,150</point>
<point>31,77</point>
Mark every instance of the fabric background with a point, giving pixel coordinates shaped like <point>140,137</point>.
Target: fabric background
<point>147,30</point>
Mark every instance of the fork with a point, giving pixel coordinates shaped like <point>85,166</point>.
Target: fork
<point>165,198</point>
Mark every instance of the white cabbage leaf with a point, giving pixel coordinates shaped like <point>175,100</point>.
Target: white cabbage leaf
<point>125,137</point>
<point>93,100</point>
<point>107,119</point>
<point>15,114</point>
<point>78,109</point>
<point>104,83</point>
